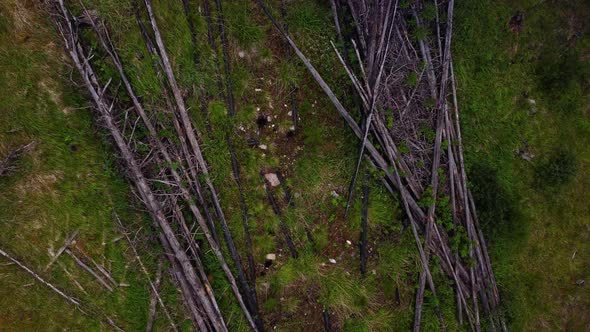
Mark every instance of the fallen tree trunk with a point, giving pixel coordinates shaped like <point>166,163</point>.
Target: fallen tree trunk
<point>428,172</point>
<point>248,306</point>
<point>58,291</point>
<point>153,285</point>
<point>364,227</point>
<point>66,28</point>
<point>230,102</point>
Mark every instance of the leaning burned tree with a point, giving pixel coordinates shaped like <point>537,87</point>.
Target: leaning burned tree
<point>410,132</point>
<point>169,174</point>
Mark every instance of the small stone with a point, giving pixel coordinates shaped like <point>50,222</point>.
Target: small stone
<point>263,147</point>
<point>292,128</point>
<point>268,118</point>
<point>348,242</point>
<point>580,282</point>
<point>257,90</point>
<point>332,260</point>
<point>290,113</point>
<point>273,179</point>
<point>527,156</point>
<point>334,194</point>
<point>532,101</point>
<point>269,259</point>
<point>241,54</point>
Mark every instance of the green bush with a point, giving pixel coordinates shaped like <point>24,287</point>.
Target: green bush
<point>562,78</point>
<point>557,170</point>
<point>496,206</point>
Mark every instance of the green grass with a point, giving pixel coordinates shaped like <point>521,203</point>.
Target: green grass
<point>532,212</point>
<point>57,188</point>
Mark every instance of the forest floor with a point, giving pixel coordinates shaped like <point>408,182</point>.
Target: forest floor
<point>523,89</point>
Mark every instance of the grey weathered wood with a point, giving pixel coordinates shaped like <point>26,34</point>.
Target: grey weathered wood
<point>154,299</point>
<point>89,270</point>
<point>153,285</point>
<point>60,251</point>
<point>40,279</point>
<point>196,150</point>
<point>58,291</point>
<point>64,25</point>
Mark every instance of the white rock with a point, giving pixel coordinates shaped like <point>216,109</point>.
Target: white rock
<point>271,257</point>
<point>272,178</point>
<point>241,54</point>
<point>334,194</point>
<point>257,90</point>
<point>263,147</point>
<point>269,118</point>
<point>332,260</point>
<point>290,113</point>
<point>292,128</point>
<point>348,242</point>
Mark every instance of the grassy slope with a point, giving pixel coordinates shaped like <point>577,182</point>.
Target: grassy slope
<point>534,228</point>
<point>542,231</point>
<point>69,181</point>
